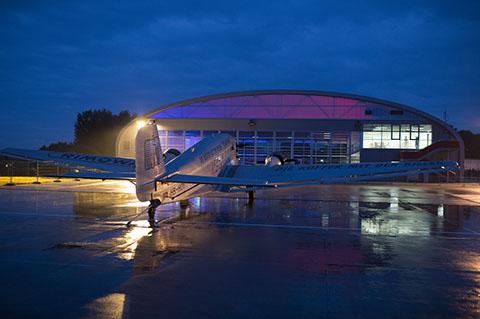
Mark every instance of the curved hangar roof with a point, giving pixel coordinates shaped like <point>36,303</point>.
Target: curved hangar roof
<point>288,104</point>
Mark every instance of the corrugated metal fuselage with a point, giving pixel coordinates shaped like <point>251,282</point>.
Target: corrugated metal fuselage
<point>209,157</point>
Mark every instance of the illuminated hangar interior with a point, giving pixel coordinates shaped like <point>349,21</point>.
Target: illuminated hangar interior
<point>306,127</point>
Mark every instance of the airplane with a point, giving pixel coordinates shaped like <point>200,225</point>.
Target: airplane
<point>212,165</point>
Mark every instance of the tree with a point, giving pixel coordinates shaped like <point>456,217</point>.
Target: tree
<point>96,132</point>
<point>472,144</point>
<point>59,147</point>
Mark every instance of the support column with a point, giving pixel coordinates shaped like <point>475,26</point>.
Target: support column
<point>251,197</point>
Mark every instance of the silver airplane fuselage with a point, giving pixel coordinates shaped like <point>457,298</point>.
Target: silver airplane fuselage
<point>209,157</point>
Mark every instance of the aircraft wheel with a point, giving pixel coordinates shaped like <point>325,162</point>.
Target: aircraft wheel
<point>152,208</point>
<point>184,203</point>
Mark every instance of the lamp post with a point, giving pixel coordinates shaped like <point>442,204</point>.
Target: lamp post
<point>57,180</point>
<point>10,166</point>
<point>37,173</point>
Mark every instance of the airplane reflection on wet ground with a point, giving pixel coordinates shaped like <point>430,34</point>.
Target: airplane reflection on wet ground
<point>365,251</point>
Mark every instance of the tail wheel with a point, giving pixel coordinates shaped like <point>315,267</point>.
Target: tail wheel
<point>152,207</point>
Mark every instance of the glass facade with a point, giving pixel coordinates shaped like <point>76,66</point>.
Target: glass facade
<point>304,147</point>
<point>192,138</point>
<point>397,136</point>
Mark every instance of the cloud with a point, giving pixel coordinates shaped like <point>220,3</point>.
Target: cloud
<point>62,58</point>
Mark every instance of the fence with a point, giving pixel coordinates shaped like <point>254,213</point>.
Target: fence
<point>27,168</point>
<point>472,169</point>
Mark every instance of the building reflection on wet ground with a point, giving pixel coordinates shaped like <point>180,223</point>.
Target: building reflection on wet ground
<point>365,251</point>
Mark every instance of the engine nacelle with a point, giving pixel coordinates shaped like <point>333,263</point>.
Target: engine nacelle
<point>292,161</point>
<point>274,160</point>
<point>170,154</point>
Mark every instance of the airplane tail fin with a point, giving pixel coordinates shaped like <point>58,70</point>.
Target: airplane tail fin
<point>149,161</point>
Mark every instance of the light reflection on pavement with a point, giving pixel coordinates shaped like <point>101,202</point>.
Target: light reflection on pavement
<point>370,251</point>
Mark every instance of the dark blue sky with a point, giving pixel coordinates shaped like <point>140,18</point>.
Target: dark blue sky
<point>62,57</point>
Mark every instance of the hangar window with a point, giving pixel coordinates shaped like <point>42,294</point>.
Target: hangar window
<point>320,149</point>
<point>231,133</point>
<point>265,145</point>
<point>206,133</point>
<point>425,136</point>
<point>264,134</point>
<point>192,138</point>
<point>283,143</point>
<point>302,150</point>
<point>414,131</point>
<point>284,134</point>
<point>175,140</point>
<point>302,134</point>
<point>175,133</point>
<point>246,134</point>
<point>306,147</point>
<point>162,134</point>
<point>395,136</point>
<point>395,132</point>
<point>246,147</point>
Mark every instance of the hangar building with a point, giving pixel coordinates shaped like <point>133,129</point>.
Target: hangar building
<point>308,127</point>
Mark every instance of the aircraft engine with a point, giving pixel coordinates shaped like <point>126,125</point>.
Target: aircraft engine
<point>291,161</point>
<point>273,160</point>
<point>170,154</point>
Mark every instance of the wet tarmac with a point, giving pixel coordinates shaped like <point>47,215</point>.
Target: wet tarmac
<point>353,251</point>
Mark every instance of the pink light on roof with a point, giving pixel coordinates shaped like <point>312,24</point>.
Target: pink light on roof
<point>273,106</point>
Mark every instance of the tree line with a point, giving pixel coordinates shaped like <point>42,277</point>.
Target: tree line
<point>472,144</point>
<point>96,133</point>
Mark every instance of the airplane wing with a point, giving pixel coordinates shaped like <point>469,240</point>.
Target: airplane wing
<point>339,173</point>
<point>296,175</point>
<point>74,160</point>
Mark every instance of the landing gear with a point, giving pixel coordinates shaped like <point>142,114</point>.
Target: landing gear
<point>151,213</point>
<point>184,203</point>
<point>154,203</point>
<point>251,198</point>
